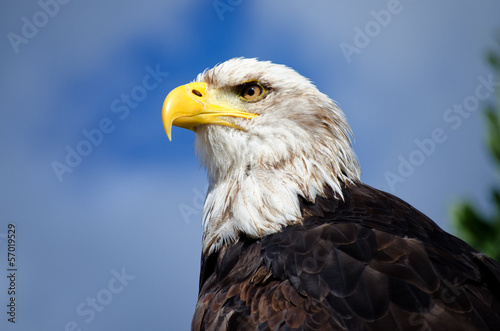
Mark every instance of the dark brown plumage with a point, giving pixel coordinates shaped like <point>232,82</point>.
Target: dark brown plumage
<point>369,261</point>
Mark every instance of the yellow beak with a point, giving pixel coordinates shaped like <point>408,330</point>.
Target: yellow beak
<point>186,106</point>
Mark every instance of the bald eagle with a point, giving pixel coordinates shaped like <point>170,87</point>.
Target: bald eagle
<point>292,239</point>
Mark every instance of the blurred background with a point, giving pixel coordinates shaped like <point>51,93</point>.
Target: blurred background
<point>107,211</point>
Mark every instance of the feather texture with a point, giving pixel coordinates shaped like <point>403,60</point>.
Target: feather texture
<point>368,262</point>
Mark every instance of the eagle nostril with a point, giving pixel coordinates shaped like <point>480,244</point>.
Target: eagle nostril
<point>197,93</point>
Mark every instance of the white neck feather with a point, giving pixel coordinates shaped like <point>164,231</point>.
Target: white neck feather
<point>254,187</point>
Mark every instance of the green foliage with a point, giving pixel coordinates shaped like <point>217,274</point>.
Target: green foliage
<point>481,231</point>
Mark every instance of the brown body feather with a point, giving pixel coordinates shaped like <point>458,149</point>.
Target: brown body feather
<point>367,262</point>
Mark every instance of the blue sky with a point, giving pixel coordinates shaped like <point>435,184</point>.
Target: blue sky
<point>113,242</point>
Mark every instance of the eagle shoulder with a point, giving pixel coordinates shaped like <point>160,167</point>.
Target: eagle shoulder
<point>367,261</point>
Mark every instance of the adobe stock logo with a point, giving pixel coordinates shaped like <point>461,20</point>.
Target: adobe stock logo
<point>221,7</point>
<point>89,308</point>
<point>30,27</point>
<point>196,207</point>
<point>121,108</point>
<point>453,117</point>
<point>364,36</point>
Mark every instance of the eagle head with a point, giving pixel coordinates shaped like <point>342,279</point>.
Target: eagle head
<point>267,138</point>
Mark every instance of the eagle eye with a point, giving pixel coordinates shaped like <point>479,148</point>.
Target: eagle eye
<point>251,91</point>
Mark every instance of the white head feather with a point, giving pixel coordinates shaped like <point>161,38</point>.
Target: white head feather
<point>297,146</point>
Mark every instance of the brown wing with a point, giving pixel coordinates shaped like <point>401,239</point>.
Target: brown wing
<point>368,262</point>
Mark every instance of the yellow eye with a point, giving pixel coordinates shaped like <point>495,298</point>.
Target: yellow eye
<point>251,91</point>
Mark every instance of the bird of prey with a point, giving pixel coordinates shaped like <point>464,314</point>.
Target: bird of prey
<point>292,239</point>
